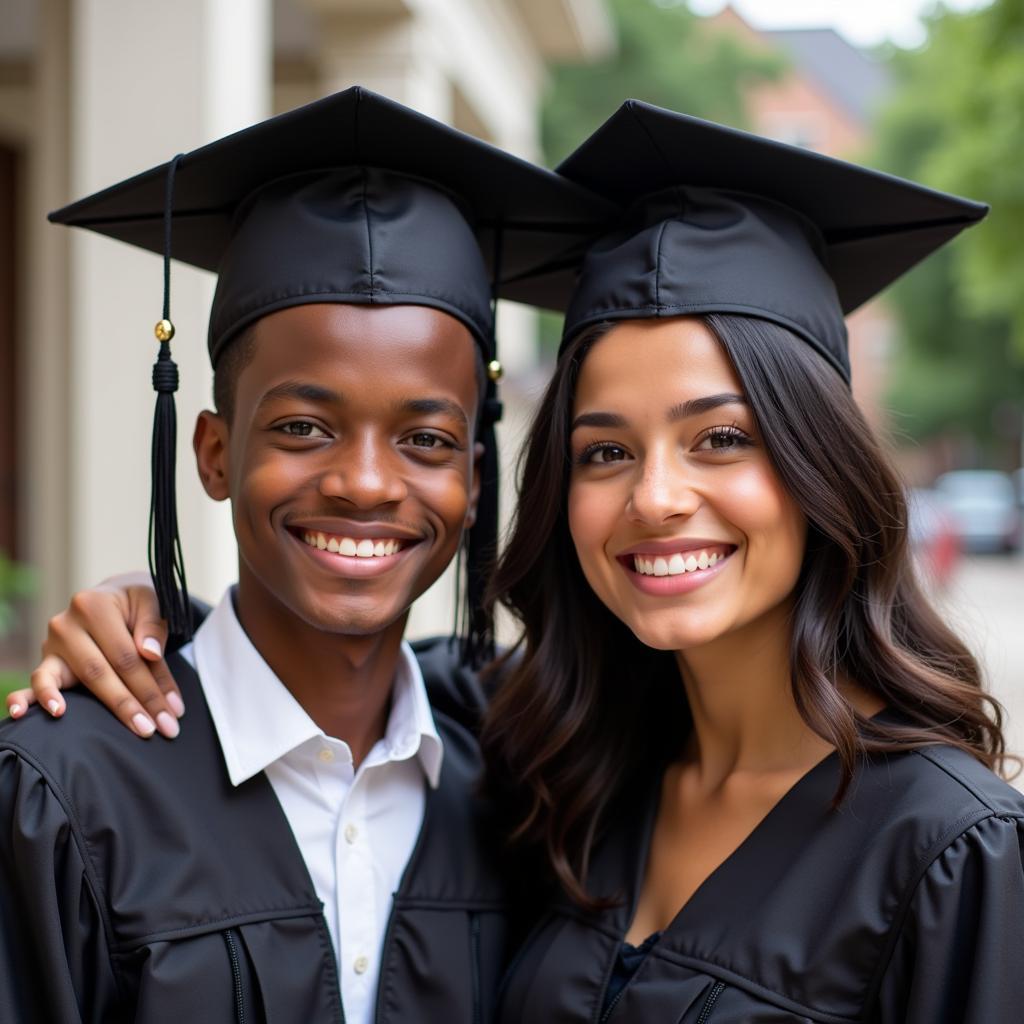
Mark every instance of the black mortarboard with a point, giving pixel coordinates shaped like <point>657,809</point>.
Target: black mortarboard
<point>352,199</point>
<point>719,220</point>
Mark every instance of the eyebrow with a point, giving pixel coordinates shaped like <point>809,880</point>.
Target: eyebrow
<point>433,407</point>
<point>308,392</point>
<point>691,407</point>
<point>302,390</point>
<point>697,406</point>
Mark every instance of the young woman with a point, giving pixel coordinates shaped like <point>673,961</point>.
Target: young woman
<point>746,768</point>
<point>752,762</point>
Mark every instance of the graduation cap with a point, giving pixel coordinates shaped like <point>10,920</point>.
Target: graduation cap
<point>351,199</point>
<point>720,220</point>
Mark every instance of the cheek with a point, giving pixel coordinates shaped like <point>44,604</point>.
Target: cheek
<point>446,494</point>
<point>774,526</point>
<point>591,523</point>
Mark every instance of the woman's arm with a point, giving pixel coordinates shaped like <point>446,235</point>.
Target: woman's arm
<point>110,638</point>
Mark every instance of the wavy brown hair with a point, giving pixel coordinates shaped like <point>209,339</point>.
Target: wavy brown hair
<point>586,712</point>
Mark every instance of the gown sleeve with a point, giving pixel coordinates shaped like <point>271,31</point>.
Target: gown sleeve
<point>959,958</point>
<point>54,955</point>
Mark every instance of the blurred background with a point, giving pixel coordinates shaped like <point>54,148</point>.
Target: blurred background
<point>92,91</point>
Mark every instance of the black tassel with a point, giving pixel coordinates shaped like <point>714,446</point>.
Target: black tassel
<point>166,562</point>
<point>477,626</point>
<point>482,547</point>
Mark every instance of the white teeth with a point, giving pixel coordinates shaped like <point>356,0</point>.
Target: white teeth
<point>676,564</point>
<point>364,548</point>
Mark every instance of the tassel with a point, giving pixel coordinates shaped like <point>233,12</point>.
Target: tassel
<point>166,562</point>
<point>482,547</point>
<point>482,544</point>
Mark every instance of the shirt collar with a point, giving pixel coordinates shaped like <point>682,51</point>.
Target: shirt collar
<point>258,721</point>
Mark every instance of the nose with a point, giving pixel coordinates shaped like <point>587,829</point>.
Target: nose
<point>365,473</point>
<point>665,487</point>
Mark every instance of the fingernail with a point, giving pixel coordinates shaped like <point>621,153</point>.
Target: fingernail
<point>167,725</point>
<point>176,704</point>
<point>15,710</point>
<point>53,706</point>
<point>143,725</point>
<point>152,645</point>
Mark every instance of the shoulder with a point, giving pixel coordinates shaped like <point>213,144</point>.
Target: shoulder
<point>933,790</point>
<point>456,691</point>
<point>94,765</point>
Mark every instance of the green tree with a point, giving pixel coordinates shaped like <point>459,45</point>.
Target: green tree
<point>665,56</point>
<point>957,122</point>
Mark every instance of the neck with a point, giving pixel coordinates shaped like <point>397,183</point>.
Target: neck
<point>343,682</point>
<point>744,716</point>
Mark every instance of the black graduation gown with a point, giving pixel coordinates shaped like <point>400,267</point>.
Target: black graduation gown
<point>137,884</point>
<point>906,905</point>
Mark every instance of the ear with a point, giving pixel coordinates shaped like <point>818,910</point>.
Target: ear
<point>210,443</point>
<point>474,487</point>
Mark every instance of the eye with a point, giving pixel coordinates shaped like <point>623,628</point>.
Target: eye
<point>724,438</point>
<point>301,428</point>
<point>602,454</point>
<point>425,440</point>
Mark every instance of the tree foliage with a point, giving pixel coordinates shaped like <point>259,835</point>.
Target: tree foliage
<point>957,122</point>
<point>665,56</point>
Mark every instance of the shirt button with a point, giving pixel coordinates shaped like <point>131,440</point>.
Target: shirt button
<point>351,833</point>
<point>360,965</point>
<point>326,755</point>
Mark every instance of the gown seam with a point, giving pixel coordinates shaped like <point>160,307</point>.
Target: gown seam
<point>932,756</point>
<point>966,823</point>
<point>129,946</point>
<point>81,842</point>
<point>731,976</point>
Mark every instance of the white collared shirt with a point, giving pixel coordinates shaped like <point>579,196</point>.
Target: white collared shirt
<point>356,830</point>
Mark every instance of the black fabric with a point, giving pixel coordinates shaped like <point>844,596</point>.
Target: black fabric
<point>906,905</point>
<point>349,232</point>
<point>719,220</point>
<point>139,885</point>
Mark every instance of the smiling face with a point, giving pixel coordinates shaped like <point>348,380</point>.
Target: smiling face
<point>349,460</point>
<point>680,523</point>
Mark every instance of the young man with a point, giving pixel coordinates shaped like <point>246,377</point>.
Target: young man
<point>310,847</point>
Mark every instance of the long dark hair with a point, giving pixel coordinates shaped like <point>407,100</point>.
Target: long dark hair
<point>586,711</point>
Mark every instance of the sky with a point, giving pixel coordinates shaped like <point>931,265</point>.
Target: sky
<point>862,22</point>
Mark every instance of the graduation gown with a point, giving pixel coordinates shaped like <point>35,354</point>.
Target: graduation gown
<point>137,884</point>
<point>906,905</point>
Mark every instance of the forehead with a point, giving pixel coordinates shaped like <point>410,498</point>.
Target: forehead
<point>366,346</point>
<point>639,362</point>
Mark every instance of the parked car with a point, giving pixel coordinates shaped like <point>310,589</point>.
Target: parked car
<point>984,508</point>
<point>934,542</point>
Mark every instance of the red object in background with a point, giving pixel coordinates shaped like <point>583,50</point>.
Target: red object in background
<point>934,540</point>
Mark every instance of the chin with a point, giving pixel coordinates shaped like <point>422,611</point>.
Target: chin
<point>675,630</point>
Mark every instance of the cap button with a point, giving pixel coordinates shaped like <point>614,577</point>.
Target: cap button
<point>164,330</point>
<point>495,371</point>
